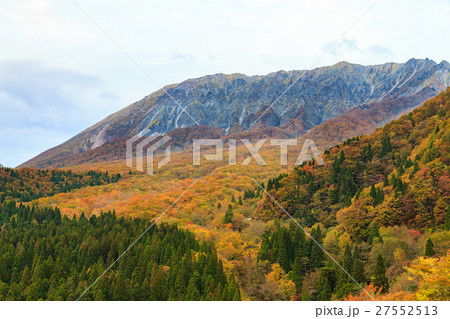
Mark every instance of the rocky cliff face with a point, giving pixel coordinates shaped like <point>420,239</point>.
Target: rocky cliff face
<point>233,102</point>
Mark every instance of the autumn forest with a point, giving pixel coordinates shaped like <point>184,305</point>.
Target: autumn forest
<point>372,223</point>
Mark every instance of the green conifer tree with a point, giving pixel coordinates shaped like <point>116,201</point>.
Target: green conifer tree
<point>447,219</point>
<point>317,254</point>
<point>373,193</point>
<point>120,289</point>
<point>347,261</point>
<point>305,295</point>
<point>228,215</point>
<point>385,180</point>
<point>192,291</point>
<point>26,278</point>
<point>429,248</point>
<point>380,280</point>
<point>373,233</point>
<point>386,146</point>
<point>297,273</point>
<point>322,289</point>
<point>283,256</point>
<point>158,284</point>
<point>358,271</point>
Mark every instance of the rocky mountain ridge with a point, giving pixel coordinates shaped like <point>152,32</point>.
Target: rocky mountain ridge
<point>238,103</point>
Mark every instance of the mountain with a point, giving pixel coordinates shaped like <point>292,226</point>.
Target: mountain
<point>380,206</point>
<point>406,162</point>
<point>248,105</point>
<point>386,196</point>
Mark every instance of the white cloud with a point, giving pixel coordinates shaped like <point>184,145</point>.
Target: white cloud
<point>178,39</point>
<point>350,49</point>
<point>40,105</point>
<point>34,94</point>
<point>19,144</point>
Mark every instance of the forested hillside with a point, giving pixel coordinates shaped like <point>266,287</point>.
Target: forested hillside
<point>27,184</point>
<point>379,207</point>
<point>44,256</point>
<point>380,202</point>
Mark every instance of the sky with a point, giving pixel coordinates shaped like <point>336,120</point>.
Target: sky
<point>61,73</point>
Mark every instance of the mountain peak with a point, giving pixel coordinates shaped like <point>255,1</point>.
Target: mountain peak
<point>236,101</point>
<point>445,64</point>
<point>343,64</point>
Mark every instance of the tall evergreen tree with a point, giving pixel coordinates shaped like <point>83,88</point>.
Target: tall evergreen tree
<point>26,278</point>
<point>358,271</point>
<point>283,255</point>
<point>317,254</point>
<point>158,284</point>
<point>297,274</point>
<point>385,180</point>
<point>179,289</point>
<point>447,219</point>
<point>386,146</point>
<point>120,289</point>
<point>322,289</point>
<point>305,295</point>
<point>374,232</point>
<point>192,291</point>
<point>347,261</point>
<point>429,248</point>
<point>373,193</point>
<point>380,280</point>
<point>228,215</point>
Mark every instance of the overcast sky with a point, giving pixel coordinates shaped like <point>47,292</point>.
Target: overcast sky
<point>59,73</point>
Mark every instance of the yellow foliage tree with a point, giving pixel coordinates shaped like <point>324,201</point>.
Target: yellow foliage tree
<point>434,275</point>
<point>278,278</point>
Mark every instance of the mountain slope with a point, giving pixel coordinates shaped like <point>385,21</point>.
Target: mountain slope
<point>338,198</point>
<point>234,102</point>
<point>384,196</point>
<point>407,160</point>
<point>28,184</point>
